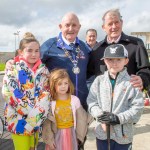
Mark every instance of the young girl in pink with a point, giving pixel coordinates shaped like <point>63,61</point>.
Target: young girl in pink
<point>67,124</point>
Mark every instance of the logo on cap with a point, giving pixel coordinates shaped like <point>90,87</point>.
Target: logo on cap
<point>113,50</point>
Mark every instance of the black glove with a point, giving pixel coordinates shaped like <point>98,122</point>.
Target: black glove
<point>108,118</point>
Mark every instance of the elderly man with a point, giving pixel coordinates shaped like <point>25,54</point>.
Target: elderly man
<point>91,36</point>
<point>68,52</point>
<point>138,66</point>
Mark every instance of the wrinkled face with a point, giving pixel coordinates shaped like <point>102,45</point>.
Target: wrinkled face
<point>112,26</point>
<point>91,38</point>
<point>115,65</point>
<point>31,53</point>
<point>62,86</point>
<point>70,27</point>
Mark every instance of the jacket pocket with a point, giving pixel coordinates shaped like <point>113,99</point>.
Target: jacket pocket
<point>123,131</point>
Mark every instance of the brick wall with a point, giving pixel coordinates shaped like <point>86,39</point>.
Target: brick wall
<point>4,56</point>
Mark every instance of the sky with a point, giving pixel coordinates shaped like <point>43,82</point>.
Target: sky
<point>42,17</point>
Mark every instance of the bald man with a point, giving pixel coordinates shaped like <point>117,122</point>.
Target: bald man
<point>54,53</point>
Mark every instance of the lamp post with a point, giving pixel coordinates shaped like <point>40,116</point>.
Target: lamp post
<point>16,34</point>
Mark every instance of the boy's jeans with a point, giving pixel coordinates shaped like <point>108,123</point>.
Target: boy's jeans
<point>103,145</point>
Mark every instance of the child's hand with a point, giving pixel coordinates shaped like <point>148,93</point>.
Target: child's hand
<point>104,127</point>
<point>50,147</point>
<point>9,64</point>
<point>20,126</point>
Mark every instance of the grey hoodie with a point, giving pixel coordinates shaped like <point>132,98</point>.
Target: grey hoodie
<point>127,105</point>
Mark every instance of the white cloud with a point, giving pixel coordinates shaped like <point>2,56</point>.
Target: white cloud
<point>140,22</point>
<point>41,17</point>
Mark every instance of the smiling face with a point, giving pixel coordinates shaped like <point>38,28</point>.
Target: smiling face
<point>115,65</point>
<point>70,27</point>
<point>112,26</point>
<point>31,53</point>
<point>91,38</point>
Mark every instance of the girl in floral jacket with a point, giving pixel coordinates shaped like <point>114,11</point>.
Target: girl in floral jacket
<point>25,89</point>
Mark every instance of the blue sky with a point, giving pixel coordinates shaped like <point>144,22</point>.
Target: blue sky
<point>42,17</point>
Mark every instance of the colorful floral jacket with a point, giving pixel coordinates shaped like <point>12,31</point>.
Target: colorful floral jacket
<point>27,97</point>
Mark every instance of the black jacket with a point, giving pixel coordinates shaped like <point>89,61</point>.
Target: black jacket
<point>138,58</point>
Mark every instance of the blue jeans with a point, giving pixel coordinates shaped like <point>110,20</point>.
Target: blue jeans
<point>103,145</point>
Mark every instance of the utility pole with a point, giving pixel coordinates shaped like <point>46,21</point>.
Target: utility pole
<point>16,42</point>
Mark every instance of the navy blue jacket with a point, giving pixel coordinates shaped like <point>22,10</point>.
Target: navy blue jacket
<point>54,57</point>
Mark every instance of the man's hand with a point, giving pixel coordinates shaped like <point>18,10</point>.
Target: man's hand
<point>9,64</point>
<point>108,118</point>
<point>136,81</point>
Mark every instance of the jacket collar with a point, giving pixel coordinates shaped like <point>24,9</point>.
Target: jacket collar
<point>65,45</point>
<point>123,37</point>
<point>36,66</point>
<point>120,75</point>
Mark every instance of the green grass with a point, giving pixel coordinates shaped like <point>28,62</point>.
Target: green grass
<point>2,67</point>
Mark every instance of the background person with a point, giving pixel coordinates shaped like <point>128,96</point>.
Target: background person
<point>114,102</point>
<point>91,38</point>
<point>138,66</point>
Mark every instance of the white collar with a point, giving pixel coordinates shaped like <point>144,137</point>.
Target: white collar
<point>116,41</point>
<point>67,42</point>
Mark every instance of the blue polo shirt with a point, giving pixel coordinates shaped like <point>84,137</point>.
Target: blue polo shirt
<point>54,57</point>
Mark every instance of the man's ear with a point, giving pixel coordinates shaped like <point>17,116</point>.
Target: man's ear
<point>60,26</point>
<point>79,26</point>
<point>103,27</point>
<point>121,22</point>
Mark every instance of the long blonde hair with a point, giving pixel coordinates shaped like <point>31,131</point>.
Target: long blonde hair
<point>55,77</point>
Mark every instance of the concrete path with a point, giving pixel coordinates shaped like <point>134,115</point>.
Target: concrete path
<point>141,139</point>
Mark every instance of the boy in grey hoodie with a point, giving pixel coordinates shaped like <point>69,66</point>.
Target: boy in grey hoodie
<point>114,102</point>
